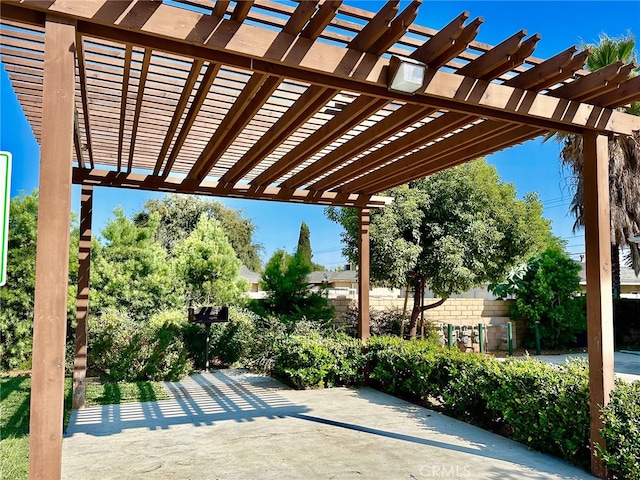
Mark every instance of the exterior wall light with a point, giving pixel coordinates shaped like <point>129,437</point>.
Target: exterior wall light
<point>406,75</point>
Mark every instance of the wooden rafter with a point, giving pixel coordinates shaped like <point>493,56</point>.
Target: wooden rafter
<point>196,67</point>
<point>123,101</point>
<point>177,185</point>
<point>136,116</point>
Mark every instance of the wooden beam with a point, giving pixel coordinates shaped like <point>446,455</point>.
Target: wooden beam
<point>324,64</point>
<point>398,28</point>
<point>597,226</point>
<point>82,74</point>
<point>241,10</point>
<point>375,28</point>
<point>255,94</point>
<point>139,181</point>
<point>353,114</point>
<point>192,78</point>
<point>146,60</point>
<point>321,19</point>
<point>363,274</point>
<point>404,145</point>
<point>52,252</point>
<point>626,93</point>
<point>309,103</point>
<point>201,95</point>
<point>123,101</point>
<point>82,298</point>
<point>394,123</point>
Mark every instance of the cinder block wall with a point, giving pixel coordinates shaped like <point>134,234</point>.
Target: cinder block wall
<point>457,311</point>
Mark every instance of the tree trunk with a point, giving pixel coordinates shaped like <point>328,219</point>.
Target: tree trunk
<point>615,271</point>
<point>418,307</point>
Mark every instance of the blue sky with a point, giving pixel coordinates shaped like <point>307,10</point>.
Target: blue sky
<point>533,166</point>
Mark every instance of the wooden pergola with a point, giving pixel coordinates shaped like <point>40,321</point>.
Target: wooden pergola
<point>286,102</point>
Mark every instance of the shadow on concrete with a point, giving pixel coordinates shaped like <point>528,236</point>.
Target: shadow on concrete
<point>197,401</point>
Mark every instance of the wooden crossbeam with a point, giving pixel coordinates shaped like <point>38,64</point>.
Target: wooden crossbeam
<point>586,87</point>
<point>357,111</point>
<point>109,178</point>
<point>82,74</point>
<point>123,100</point>
<point>498,55</point>
<point>537,77</point>
<point>221,7</point>
<point>196,67</point>
<point>624,94</point>
<point>256,93</point>
<point>146,60</point>
<point>404,145</point>
<point>413,166</point>
<point>516,59</point>
<point>300,16</point>
<point>241,10</point>
<point>396,30</point>
<point>397,121</point>
<point>300,112</point>
<point>321,19</point>
<point>375,28</point>
<point>201,95</point>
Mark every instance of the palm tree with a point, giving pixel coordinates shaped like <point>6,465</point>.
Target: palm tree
<point>624,164</point>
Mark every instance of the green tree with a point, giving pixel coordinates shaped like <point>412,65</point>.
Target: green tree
<point>304,245</point>
<point>548,293</point>
<point>179,216</point>
<point>17,295</point>
<point>288,294</point>
<point>452,231</point>
<point>624,164</point>
<point>208,266</point>
<point>304,249</point>
<point>131,271</point>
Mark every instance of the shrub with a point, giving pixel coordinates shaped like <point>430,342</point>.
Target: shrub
<point>121,349</point>
<point>312,360</point>
<point>231,341</point>
<point>381,322</point>
<point>546,406</point>
<point>621,431</point>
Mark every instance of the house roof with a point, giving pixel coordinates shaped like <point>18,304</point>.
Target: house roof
<point>627,275</point>
<point>289,101</point>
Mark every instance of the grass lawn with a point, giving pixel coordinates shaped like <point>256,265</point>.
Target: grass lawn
<point>14,414</point>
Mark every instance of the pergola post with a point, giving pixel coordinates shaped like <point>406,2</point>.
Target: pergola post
<point>363,274</point>
<point>599,301</point>
<point>82,298</point>
<point>52,252</point>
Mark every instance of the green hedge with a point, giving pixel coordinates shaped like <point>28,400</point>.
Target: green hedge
<point>543,406</point>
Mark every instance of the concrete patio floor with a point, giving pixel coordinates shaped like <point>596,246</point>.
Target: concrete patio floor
<point>230,424</point>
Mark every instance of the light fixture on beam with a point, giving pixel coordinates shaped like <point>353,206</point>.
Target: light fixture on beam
<point>406,75</point>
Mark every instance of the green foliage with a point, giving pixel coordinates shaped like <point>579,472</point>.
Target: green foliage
<point>131,271</point>
<point>121,349</point>
<point>17,295</point>
<point>451,232</point>
<point>621,431</point>
<point>179,215</point>
<point>304,246</point>
<point>381,322</point>
<point>314,360</point>
<point>543,406</point>
<point>208,266</point>
<point>288,294</point>
<point>232,341</point>
<point>548,293</point>
<point>546,406</point>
